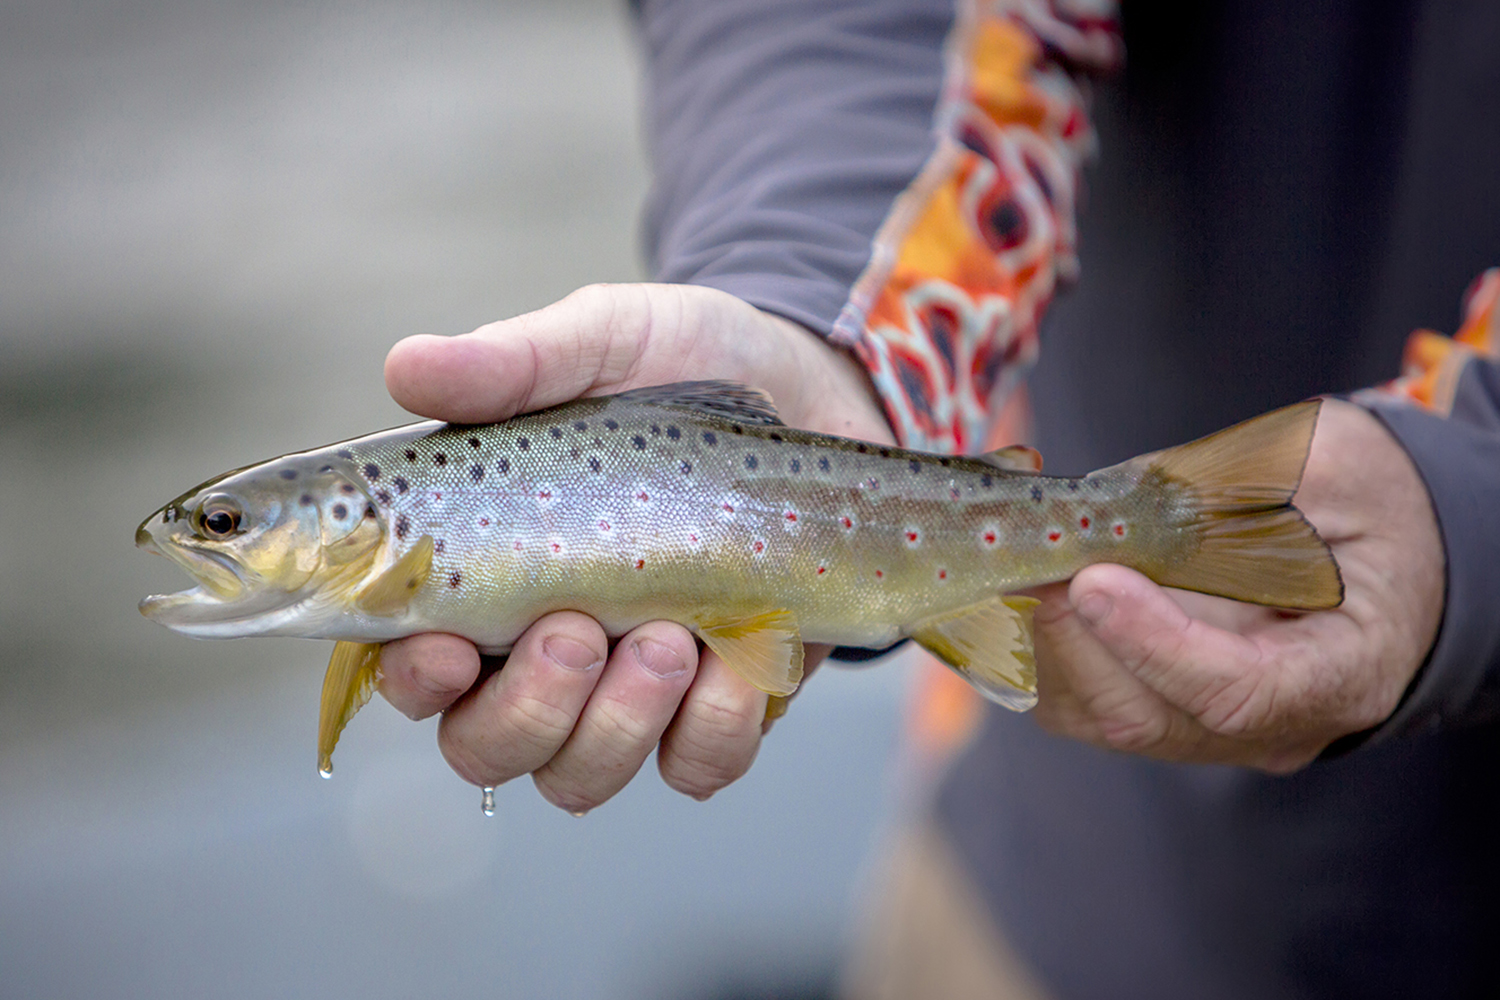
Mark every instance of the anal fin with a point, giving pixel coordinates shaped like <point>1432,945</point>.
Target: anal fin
<point>764,649</point>
<point>353,672</point>
<point>988,644</point>
<point>391,591</point>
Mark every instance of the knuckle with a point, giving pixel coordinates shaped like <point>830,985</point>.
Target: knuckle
<point>537,721</point>
<point>713,745</point>
<point>1134,731</point>
<point>620,727</point>
<point>1236,707</point>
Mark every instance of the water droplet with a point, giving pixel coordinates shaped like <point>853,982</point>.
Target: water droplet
<point>325,769</point>
<point>579,814</point>
<point>487,800</point>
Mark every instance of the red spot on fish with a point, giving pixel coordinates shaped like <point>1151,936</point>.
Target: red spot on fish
<point>846,522</point>
<point>911,536</point>
<point>556,547</point>
<point>544,494</point>
<point>642,497</point>
<point>989,538</point>
<point>1054,536</point>
<point>1083,522</point>
<point>880,574</point>
<point>603,525</point>
<point>759,547</point>
<point>942,574</point>
<point>790,516</point>
<point>822,570</point>
<point>693,539</point>
<point>437,496</point>
<point>518,546</point>
<point>640,564</point>
<point>453,579</point>
<point>484,522</point>
<point>729,507</point>
<point>1119,529</point>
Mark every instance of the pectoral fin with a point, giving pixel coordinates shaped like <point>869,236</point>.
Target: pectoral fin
<point>391,591</point>
<point>989,644</point>
<point>764,649</point>
<point>352,674</point>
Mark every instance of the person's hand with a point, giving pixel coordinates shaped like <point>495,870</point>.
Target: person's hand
<point>573,710</point>
<point>1123,663</point>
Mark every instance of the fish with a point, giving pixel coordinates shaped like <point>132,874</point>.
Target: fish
<point>694,502</point>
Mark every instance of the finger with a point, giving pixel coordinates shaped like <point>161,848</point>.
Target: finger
<point>716,734</point>
<point>424,674</point>
<point>519,717</point>
<point>647,675</point>
<point>1219,678</point>
<point>1085,692</point>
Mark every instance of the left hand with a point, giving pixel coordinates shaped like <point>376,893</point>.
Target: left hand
<point>1125,664</point>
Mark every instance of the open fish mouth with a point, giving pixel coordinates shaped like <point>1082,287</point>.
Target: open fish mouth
<point>219,585</point>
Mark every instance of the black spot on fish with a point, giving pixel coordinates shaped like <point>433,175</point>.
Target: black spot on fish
<point>372,471</point>
<point>340,511</point>
<point>503,465</point>
<point>751,461</point>
<point>384,498</point>
<point>288,474</point>
<point>710,438</point>
<point>1036,494</point>
<point>795,465</point>
<point>687,468</point>
<point>639,442</point>
<point>915,466</point>
<point>593,464</point>
<point>400,484</point>
<point>346,488</point>
<point>823,464</point>
<point>411,456</point>
<point>986,480</point>
<point>610,425</point>
<point>655,430</point>
<point>455,578</point>
<point>579,425</point>
<point>556,432</point>
<point>474,443</point>
<point>945,462</point>
<point>440,459</point>
<point>369,510</point>
<point>307,499</point>
<point>344,453</point>
<point>1073,487</point>
<point>523,443</point>
<point>861,448</point>
<point>737,428</point>
<point>774,436</point>
<point>402,525</point>
<point>439,545</point>
<point>476,472</point>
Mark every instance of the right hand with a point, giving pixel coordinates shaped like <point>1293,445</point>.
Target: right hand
<point>577,712</point>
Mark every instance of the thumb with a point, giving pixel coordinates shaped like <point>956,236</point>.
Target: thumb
<point>1219,677</point>
<point>602,338</point>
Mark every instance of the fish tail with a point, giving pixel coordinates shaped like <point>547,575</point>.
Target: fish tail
<point>1252,544</point>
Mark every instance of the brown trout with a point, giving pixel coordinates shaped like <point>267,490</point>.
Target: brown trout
<point>694,503</point>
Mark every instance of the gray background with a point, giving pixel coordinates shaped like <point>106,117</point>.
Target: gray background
<point>214,220</point>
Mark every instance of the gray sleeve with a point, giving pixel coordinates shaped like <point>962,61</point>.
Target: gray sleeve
<point>1459,460</point>
<point>781,131</point>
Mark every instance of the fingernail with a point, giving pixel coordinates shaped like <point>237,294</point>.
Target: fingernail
<point>570,653</point>
<point>1094,608</point>
<point>659,658</point>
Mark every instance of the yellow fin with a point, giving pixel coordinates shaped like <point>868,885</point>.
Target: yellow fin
<point>391,591</point>
<point>352,674</point>
<point>1015,458</point>
<point>1253,545</point>
<point>989,645</point>
<point>764,649</point>
<point>776,706</point>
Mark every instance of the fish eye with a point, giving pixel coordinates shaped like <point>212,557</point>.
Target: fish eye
<point>218,517</point>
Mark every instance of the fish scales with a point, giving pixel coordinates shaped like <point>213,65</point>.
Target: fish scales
<point>693,503</point>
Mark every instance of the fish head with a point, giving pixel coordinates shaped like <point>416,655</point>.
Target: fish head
<point>260,543</point>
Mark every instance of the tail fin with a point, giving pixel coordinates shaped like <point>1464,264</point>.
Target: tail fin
<point>1253,544</point>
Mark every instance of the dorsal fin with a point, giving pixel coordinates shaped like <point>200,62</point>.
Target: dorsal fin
<point>734,400</point>
<point>1015,458</point>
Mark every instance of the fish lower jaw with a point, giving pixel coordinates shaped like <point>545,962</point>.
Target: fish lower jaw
<point>202,615</point>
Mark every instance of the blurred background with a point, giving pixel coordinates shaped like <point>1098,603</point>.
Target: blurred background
<point>214,220</point>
